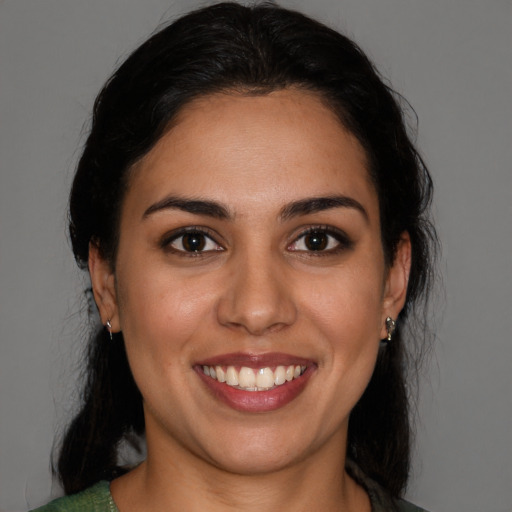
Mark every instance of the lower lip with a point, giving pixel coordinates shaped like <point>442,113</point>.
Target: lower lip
<point>257,401</point>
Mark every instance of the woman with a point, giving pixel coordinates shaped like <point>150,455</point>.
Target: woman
<point>254,219</point>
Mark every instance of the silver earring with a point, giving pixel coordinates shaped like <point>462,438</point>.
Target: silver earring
<point>390,327</point>
<point>109,329</point>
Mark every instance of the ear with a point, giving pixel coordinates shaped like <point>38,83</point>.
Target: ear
<point>103,287</point>
<point>395,288</point>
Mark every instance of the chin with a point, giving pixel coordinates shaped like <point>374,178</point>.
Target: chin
<point>259,450</point>
<point>255,461</point>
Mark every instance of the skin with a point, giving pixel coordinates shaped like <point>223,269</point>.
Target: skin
<point>257,288</point>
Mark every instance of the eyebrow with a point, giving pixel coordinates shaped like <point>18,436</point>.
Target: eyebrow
<point>319,204</point>
<point>216,210</point>
<point>195,206</point>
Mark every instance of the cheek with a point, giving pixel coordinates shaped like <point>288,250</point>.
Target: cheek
<point>162,321</point>
<point>347,304</point>
<point>161,313</point>
<point>346,311</point>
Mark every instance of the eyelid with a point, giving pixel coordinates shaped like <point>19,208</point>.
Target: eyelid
<point>166,240</point>
<point>344,241</point>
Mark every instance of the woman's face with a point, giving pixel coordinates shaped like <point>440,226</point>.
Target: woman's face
<point>250,244</point>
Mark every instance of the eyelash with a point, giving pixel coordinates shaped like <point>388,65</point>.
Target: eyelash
<point>342,241</point>
<point>208,236</point>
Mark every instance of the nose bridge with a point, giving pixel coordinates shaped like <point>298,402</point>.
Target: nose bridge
<point>256,296</point>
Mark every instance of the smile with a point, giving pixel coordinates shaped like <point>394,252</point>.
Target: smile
<point>254,379</point>
<point>256,383</point>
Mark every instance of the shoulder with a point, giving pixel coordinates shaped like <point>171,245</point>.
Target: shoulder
<point>381,500</point>
<point>405,506</point>
<point>94,499</point>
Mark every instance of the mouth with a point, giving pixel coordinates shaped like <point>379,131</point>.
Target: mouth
<point>250,379</point>
<point>255,383</point>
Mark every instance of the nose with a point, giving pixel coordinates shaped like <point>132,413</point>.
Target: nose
<point>257,297</point>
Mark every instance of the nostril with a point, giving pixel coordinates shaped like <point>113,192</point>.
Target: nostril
<point>257,307</point>
<point>257,327</point>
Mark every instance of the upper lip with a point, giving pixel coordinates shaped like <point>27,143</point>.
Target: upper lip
<point>252,360</point>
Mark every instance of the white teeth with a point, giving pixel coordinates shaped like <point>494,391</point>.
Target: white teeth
<point>265,378</point>
<point>221,374</point>
<point>279,376</point>
<point>231,376</point>
<point>250,379</point>
<point>246,378</point>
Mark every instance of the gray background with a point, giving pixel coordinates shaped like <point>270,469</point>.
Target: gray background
<point>451,58</point>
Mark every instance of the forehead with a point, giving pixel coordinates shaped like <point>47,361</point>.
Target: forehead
<point>250,150</point>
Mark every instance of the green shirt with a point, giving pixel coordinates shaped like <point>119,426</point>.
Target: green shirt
<point>98,499</point>
<point>94,499</point>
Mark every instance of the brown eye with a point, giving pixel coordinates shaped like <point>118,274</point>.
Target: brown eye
<point>319,240</point>
<point>316,241</point>
<point>193,242</point>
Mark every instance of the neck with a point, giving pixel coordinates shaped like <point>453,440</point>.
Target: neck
<point>175,479</point>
